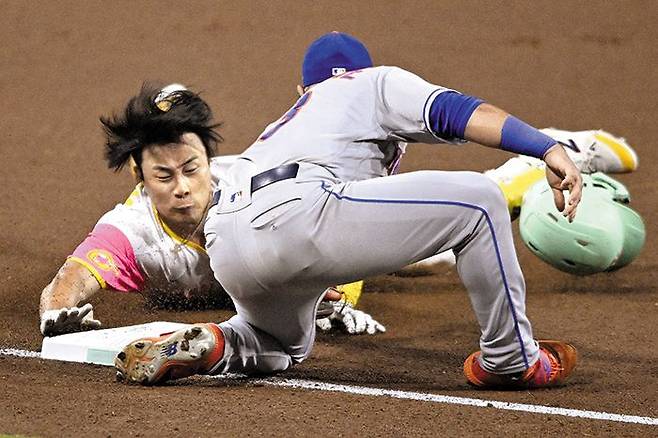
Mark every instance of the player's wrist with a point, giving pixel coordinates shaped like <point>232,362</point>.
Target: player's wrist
<point>521,138</point>
<point>555,148</point>
<point>557,159</point>
<point>47,319</point>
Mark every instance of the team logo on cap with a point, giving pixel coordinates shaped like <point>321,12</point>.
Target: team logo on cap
<point>103,260</point>
<point>168,97</point>
<point>164,105</point>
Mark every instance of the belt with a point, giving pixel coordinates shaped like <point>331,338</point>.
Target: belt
<point>266,178</point>
<point>271,176</point>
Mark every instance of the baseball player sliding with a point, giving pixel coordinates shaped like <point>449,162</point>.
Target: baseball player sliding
<point>153,242</point>
<point>313,202</point>
<point>171,270</point>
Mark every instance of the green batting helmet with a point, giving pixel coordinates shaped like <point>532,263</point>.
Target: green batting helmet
<point>605,235</point>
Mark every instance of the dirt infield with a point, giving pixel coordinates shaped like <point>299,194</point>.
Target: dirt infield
<point>573,65</point>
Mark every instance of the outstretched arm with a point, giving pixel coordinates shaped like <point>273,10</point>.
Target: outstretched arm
<point>493,127</point>
<point>58,308</point>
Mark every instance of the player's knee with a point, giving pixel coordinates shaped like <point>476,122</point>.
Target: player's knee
<point>496,205</point>
<point>495,194</point>
<point>273,364</point>
<point>488,195</point>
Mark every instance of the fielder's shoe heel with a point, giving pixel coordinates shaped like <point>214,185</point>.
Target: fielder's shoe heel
<point>556,362</point>
<point>183,353</point>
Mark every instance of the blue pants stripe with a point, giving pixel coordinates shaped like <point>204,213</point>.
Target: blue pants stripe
<point>457,204</point>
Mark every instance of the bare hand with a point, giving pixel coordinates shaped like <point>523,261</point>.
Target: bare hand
<point>562,174</point>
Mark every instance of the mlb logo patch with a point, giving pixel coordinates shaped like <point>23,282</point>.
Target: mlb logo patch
<point>234,199</point>
<point>338,71</point>
<point>236,196</point>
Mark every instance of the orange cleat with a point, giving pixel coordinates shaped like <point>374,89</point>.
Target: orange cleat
<point>556,362</point>
<point>183,353</point>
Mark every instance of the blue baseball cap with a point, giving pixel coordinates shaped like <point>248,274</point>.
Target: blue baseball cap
<point>332,54</point>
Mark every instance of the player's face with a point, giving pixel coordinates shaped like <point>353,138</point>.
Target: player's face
<point>177,179</point>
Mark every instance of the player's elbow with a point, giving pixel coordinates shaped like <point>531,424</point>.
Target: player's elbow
<point>450,113</point>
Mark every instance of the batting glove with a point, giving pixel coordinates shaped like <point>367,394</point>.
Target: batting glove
<point>68,320</point>
<point>355,322</point>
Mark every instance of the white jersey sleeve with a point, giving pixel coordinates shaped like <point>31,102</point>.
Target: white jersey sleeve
<point>404,102</point>
<point>355,125</point>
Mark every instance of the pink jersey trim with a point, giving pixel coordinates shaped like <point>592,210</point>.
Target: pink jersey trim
<point>110,253</point>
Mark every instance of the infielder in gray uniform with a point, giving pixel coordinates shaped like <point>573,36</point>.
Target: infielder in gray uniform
<point>314,202</point>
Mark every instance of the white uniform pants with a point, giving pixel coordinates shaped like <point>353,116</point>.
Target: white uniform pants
<point>276,255</point>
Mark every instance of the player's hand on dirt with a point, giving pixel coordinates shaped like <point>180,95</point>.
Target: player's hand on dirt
<point>68,320</point>
<point>562,174</point>
<point>353,321</point>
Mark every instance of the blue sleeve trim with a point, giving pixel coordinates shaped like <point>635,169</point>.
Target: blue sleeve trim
<point>450,113</point>
<point>521,138</point>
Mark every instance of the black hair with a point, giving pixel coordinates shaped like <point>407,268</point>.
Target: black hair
<point>145,122</point>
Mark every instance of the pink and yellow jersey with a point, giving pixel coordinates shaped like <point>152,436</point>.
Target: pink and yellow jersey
<point>132,250</point>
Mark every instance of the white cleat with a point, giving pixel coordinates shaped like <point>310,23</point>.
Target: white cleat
<point>183,353</point>
<point>514,168</point>
<point>597,151</point>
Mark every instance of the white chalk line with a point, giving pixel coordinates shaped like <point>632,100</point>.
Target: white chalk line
<point>436,398</point>
<point>417,396</point>
<point>19,353</point>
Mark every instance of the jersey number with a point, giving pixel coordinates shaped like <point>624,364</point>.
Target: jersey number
<point>292,112</point>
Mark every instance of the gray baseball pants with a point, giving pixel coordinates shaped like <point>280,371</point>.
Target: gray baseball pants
<point>276,253</point>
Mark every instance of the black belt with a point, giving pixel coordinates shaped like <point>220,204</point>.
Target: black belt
<point>266,178</point>
<point>271,176</point>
